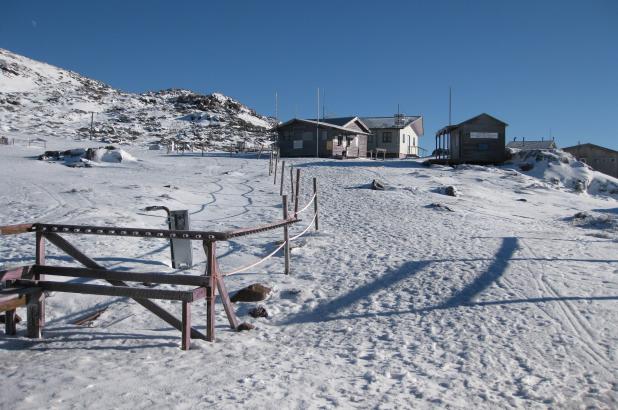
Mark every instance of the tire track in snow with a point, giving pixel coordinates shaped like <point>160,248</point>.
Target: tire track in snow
<point>569,313</point>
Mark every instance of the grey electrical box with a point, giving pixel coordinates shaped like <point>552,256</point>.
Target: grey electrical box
<point>182,255</point>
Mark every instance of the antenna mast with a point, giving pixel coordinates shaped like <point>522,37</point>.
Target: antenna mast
<point>317,130</point>
<point>449,105</point>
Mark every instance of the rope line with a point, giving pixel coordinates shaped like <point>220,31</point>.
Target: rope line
<point>270,255</point>
<point>306,206</point>
<point>303,232</point>
<point>244,268</point>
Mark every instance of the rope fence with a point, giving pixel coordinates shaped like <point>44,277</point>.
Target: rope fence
<point>286,241</point>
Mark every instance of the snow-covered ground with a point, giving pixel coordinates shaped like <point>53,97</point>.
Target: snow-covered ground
<point>394,303</point>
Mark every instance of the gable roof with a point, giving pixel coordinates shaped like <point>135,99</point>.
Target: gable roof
<point>449,128</point>
<point>527,144</point>
<point>323,124</point>
<point>389,122</point>
<point>341,121</point>
<point>575,147</point>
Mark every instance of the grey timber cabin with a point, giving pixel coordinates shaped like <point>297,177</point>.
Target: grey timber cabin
<point>602,159</point>
<point>532,144</point>
<point>344,137</point>
<point>479,140</point>
<point>399,135</point>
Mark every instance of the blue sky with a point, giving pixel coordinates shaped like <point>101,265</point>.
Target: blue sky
<point>537,65</point>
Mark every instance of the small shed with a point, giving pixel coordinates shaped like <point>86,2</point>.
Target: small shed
<point>344,137</point>
<point>479,140</point>
<point>528,144</point>
<point>600,158</point>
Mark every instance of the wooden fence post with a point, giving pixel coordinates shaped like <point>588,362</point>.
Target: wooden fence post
<point>282,177</point>
<point>291,182</point>
<point>315,201</point>
<point>40,260</point>
<point>186,326</point>
<point>276,163</point>
<point>297,186</point>
<point>270,163</point>
<point>286,236</point>
<point>211,270</point>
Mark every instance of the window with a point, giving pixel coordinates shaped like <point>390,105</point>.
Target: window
<point>323,135</point>
<point>308,136</point>
<point>339,139</point>
<point>298,144</point>
<point>403,139</point>
<point>387,136</point>
<point>370,138</point>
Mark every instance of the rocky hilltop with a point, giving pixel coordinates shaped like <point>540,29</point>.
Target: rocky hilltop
<point>40,100</point>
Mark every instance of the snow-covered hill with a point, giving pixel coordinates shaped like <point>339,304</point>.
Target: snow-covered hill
<point>40,100</point>
<point>559,169</point>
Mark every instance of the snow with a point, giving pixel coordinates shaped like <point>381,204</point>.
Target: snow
<point>394,303</point>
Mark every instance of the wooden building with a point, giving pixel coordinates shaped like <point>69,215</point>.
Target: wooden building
<point>344,137</point>
<point>479,140</point>
<point>399,135</point>
<point>602,159</point>
<point>528,144</point>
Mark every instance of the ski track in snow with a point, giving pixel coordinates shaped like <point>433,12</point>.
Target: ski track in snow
<point>499,304</point>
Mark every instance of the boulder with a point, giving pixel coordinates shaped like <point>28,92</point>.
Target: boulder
<point>377,185</point>
<point>526,166</point>
<point>450,191</point>
<point>258,311</point>
<point>245,326</point>
<point>252,293</point>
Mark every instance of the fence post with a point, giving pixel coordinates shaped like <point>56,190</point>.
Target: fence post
<point>297,192</point>
<point>315,201</point>
<point>291,182</point>
<point>270,163</point>
<point>211,271</point>
<point>282,177</point>
<point>286,236</point>
<point>276,163</point>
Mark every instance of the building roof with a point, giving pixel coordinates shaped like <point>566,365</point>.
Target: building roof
<point>529,144</point>
<point>340,121</point>
<point>575,147</point>
<point>326,125</point>
<point>389,122</point>
<point>449,128</point>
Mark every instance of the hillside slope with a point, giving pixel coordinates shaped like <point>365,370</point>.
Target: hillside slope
<point>40,100</point>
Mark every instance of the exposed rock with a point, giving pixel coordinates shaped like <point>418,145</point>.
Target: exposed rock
<point>526,166</point>
<point>448,190</point>
<point>258,311</point>
<point>245,326</point>
<point>439,206</point>
<point>252,293</point>
<point>522,200</point>
<point>377,185</point>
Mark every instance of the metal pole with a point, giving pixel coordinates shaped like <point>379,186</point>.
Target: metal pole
<point>449,106</point>
<point>276,161</point>
<point>282,177</point>
<point>297,192</point>
<point>286,236</point>
<point>317,130</point>
<point>270,163</point>
<point>315,201</point>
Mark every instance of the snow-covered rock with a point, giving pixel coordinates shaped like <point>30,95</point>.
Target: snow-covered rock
<point>38,99</point>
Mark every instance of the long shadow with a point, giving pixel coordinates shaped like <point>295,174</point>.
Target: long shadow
<point>323,311</point>
<point>492,274</point>
<point>473,304</point>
